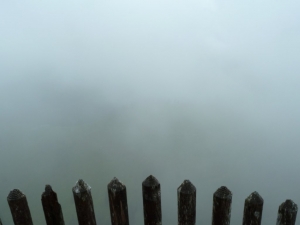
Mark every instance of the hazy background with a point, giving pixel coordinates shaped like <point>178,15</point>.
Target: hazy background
<point>201,90</point>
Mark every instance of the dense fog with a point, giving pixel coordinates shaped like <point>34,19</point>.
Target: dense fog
<point>202,90</point>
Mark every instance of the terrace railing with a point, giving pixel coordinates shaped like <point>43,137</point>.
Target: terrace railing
<point>186,198</point>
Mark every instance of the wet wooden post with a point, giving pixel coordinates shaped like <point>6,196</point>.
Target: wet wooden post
<point>84,203</point>
<point>19,208</point>
<point>118,202</point>
<point>52,209</point>
<point>287,213</point>
<point>253,209</point>
<point>186,196</point>
<point>221,206</point>
<point>151,201</point>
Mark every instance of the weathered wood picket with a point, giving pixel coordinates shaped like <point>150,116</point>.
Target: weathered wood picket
<point>186,196</point>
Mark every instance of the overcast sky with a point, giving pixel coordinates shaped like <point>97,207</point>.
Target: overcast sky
<point>201,90</point>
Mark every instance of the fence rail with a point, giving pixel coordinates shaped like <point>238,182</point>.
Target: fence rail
<point>186,197</point>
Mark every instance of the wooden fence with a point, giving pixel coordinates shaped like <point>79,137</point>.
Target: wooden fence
<point>186,196</point>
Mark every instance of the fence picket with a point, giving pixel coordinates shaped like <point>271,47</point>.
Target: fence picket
<point>151,201</point>
<point>186,196</point>
<point>52,209</point>
<point>84,203</point>
<point>18,205</point>
<point>253,209</point>
<point>221,206</point>
<point>118,202</point>
<point>287,213</point>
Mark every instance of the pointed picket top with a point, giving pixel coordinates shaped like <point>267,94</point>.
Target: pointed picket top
<point>118,202</point>
<point>222,206</point>
<point>255,198</point>
<point>52,209</point>
<point>151,181</point>
<point>84,203</point>
<point>253,208</point>
<point>186,187</point>
<point>288,206</point>
<point>223,192</point>
<point>115,185</point>
<point>48,190</point>
<point>287,213</point>
<point>81,186</point>
<point>186,201</point>
<point>151,201</point>
<point>15,194</point>
<point>19,207</point>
